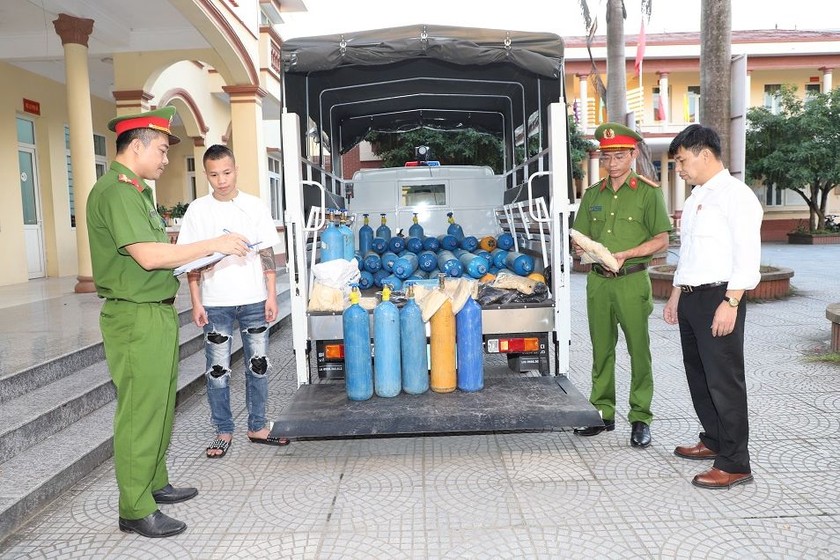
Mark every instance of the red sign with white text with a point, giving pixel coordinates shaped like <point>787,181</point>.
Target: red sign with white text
<point>32,107</point>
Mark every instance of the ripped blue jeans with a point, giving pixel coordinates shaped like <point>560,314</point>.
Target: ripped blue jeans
<point>218,336</point>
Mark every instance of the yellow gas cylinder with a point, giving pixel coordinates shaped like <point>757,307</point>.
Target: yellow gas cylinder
<point>442,349</point>
<point>487,243</point>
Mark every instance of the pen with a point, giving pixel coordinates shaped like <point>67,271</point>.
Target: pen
<point>250,245</point>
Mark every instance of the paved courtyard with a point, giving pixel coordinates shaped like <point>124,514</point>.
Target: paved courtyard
<point>533,495</point>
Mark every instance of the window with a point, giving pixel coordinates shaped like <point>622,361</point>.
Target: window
<point>691,105</point>
<point>191,185</point>
<point>100,162</point>
<point>773,195</point>
<point>772,98</point>
<point>423,195</point>
<point>275,186</point>
<point>811,91</point>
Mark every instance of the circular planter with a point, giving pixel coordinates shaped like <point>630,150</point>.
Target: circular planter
<point>774,284</point>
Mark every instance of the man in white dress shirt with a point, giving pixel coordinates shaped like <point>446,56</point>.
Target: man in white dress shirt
<point>719,261</point>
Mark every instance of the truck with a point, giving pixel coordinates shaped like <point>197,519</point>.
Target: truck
<point>509,84</point>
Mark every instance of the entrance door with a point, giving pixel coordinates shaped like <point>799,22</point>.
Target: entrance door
<point>32,225</point>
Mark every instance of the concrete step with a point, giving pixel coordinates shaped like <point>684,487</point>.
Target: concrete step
<point>52,436</point>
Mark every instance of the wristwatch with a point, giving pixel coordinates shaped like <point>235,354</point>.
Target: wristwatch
<point>733,302</point>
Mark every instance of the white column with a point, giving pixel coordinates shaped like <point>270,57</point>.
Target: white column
<point>664,181</point>
<point>594,167</point>
<point>583,97</point>
<point>826,81</point>
<point>665,102</point>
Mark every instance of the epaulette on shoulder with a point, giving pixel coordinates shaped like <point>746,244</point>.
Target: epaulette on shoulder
<point>647,181</point>
<point>597,184</point>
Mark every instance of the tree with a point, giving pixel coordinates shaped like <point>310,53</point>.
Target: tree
<point>465,147</point>
<point>796,148</point>
<point>715,69</point>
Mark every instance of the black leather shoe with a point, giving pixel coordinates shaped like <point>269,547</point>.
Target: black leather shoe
<point>170,495</point>
<point>154,526</point>
<point>609,425</point>
<point>640,436</point>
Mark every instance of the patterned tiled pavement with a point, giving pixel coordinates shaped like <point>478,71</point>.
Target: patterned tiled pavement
<point>533,495</point>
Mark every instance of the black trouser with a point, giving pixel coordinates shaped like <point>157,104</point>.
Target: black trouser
<point>714,368</point>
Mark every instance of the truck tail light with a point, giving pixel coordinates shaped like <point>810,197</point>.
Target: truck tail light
<point>511,345</point>
<point>334,352</point>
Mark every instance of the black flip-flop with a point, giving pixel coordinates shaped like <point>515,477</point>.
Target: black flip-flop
<point>270,440</point>
<point>219,444</point>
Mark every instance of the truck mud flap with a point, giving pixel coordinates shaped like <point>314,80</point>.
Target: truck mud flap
<point>513,404</point>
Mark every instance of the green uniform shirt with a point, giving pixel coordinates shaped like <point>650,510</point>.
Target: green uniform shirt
<point>625,218</point>
<point>121,211</point>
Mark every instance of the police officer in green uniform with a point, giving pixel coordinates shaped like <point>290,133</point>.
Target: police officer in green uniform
<point>132,269</point>
<point>626,213</point>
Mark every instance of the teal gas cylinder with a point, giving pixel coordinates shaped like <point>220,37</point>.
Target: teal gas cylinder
<point>383,230</point>
<point>332,242</point>
<point>387,374</point>
<point>470,352</point>
<point>449,264</point>
<point>415,362</point>
<point>454,229</point>
<point>521,264</point>
<point>416,230</point>
<point>431,244</point>
<point>347,236</point>
<point>414,244</point>
<point>396,244</point>
<point>372,262</point>
<point>405,265</point>
<point>379,276</point>
<point>499,256</point>
<point>427,261</point>
<point>388,260</point>
<point>393,281</point>
<point>365,280</point>
<point>358,370</point>
<point>379,245</point>
<point>447,242</point>
<point>468,243</point>
<point>474,265</point>
<point>365,236</point>
<point>505,241</point>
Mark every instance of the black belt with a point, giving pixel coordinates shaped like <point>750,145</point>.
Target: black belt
<point>709,286</point>
<point>167,301</point>
<point>607,273</point>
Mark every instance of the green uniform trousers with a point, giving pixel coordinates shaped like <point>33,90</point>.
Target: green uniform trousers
<point>141,348</point>
<point>625,301</point>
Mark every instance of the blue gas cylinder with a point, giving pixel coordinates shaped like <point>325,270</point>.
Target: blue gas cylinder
<point>414,244</point>
<point>393,281</point>
<point>470,353</point>
<point>447,242</point>
<point>332,243</point>
<point>365,280</point>
<point>468,243</point>
<point>474,265</point>
<point>383,230</point>
<point>379,276</point>
<point>416,230</point>
<point>358,370</point>
<point>415,361</point>
<point>405,265</point>
<point>379,245</point>
<point>431,244</point>
<point>388,260</point>
<point>419,275</point>
<point>347,236</point>
<point>360,262</point>
<point>504,241</point>
<point>427,261</point>
<point>449,264</point>
<point>499,256</point>
<point>387,375</point>
<point>372,262</point>
<point>396,244</point>
<point>521,264</point>
<point>454,229</point>
<point>365,236</point>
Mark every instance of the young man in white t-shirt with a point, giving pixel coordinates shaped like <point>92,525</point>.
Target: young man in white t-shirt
<point>235,290</point>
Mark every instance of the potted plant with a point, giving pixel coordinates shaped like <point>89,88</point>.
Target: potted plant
<point>165,213</point>
<point>177,212</point>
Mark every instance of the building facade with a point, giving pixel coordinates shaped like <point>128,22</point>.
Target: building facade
<point>69,68</point>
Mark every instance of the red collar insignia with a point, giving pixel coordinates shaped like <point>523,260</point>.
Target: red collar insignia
<point>123,178</point>
<point>633,183</point>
